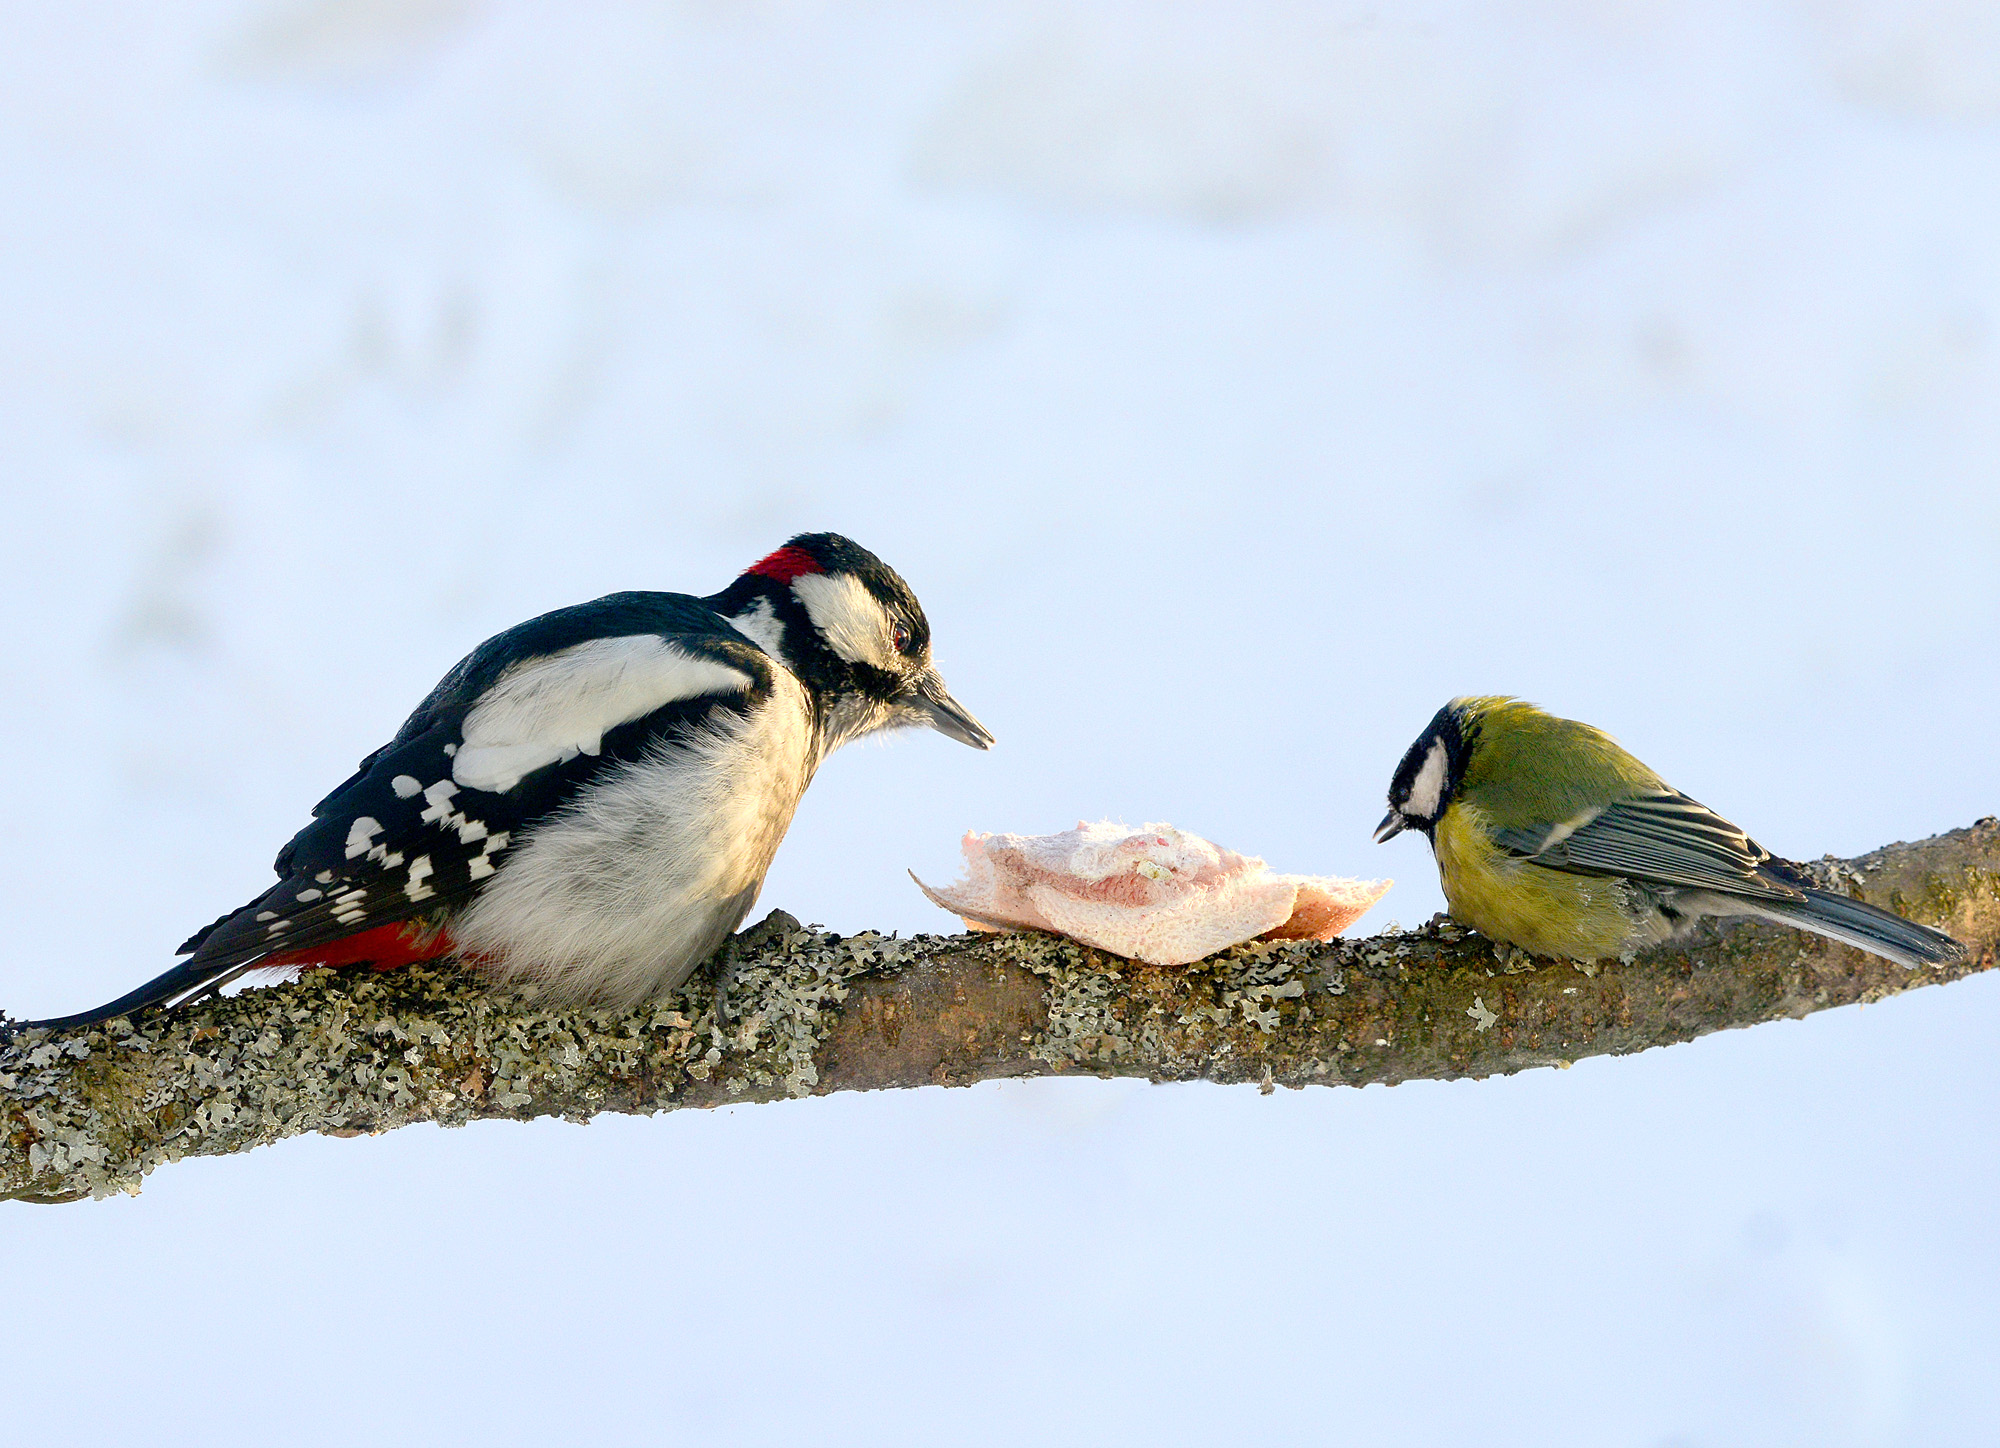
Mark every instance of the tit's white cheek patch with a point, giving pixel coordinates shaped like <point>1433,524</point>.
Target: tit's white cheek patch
<point>1428,789</point>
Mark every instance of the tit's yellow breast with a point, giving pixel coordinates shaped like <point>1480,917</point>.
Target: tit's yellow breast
<point>1544,912</point>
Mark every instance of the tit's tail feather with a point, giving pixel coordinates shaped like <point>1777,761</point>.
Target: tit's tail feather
<point>185,981</point>
<point>1863,926</point>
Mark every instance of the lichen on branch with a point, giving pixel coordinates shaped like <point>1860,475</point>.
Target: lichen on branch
<point>90,1112</point>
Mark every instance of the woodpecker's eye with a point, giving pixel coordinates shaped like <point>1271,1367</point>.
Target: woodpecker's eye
<point>899,637</point>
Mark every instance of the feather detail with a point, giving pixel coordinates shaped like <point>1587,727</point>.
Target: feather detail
<point>1665,839</point>
<point>550,709</point>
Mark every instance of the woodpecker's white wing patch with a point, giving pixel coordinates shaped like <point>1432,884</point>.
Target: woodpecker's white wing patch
<point>1156,894</point>
<point>551,709</point>
<point>849,617</point>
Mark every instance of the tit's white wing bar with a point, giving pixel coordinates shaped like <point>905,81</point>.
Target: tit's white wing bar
<point>551,709</point>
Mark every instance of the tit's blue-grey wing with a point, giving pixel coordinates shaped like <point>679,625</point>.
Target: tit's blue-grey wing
<point>1665,839</point>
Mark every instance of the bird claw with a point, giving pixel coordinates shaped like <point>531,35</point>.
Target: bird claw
<point>728,958</point>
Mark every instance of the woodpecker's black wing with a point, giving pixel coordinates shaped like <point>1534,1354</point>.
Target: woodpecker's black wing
<point>1665,839</point>
<point>508,737</point>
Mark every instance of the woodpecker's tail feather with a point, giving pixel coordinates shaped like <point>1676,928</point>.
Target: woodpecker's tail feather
<point>385,947</point>
<point>1863,926</point>
<point>184,982</point>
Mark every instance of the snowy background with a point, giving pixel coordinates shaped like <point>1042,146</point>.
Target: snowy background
<point>1235,382</point>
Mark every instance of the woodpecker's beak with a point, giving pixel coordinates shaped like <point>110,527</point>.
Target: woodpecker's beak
<point>948,716</point>
<point>1393,824</point>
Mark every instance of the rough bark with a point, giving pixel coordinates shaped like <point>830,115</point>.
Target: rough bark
<point>90,1112</point>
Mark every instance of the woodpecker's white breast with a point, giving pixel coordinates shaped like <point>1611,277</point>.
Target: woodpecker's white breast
<point>619,895</point>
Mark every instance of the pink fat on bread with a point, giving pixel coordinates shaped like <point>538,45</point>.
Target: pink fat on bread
<point>1155,894</point>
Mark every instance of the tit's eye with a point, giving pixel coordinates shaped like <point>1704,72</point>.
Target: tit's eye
<point>899,638</point>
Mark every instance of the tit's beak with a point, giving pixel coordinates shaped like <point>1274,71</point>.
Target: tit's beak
<point>948,716</point>
<point>1393,824</point>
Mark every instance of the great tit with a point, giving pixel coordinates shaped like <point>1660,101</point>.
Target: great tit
<point>1552,838</point>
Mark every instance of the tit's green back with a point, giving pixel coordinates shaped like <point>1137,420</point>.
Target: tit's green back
<point>1530,770</point>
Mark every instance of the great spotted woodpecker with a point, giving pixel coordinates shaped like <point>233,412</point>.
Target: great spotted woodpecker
<point>590,800</point>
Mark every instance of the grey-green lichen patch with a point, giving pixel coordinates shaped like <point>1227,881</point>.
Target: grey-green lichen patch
<point>1395,947</point>
<point>1106,1014</point>
<point>1084,1024</point>
<point>774,1041</point>
<point>1831,873</point>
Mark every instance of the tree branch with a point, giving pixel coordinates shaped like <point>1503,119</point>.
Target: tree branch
<point>90,1112</point>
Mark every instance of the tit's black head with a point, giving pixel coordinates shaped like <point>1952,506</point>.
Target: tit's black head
<point>1430,773</point>
<point>852,631</point>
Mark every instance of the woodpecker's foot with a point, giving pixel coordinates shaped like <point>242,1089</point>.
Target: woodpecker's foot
<point>729,958</point>
<point>725,960</point>
<point>775,926</point>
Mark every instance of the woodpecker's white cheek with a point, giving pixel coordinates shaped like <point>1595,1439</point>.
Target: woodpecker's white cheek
<point>1428,789</point>
<point>848,617</point>
<point>552,709</point>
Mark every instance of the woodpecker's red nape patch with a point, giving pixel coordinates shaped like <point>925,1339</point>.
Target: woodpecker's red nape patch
<point>786,564</point>
<point>385,947</point>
